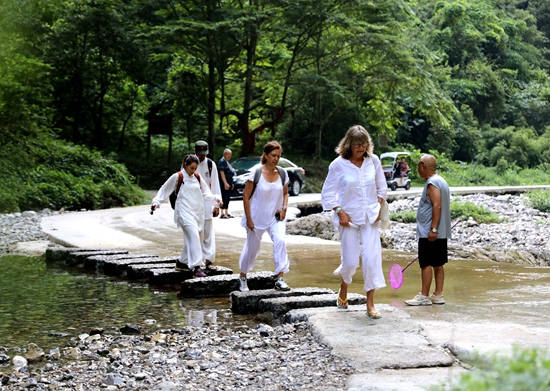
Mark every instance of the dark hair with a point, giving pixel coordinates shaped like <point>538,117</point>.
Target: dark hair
<point>189,159</point>
<point>270,146</point>
<point>355,134</point>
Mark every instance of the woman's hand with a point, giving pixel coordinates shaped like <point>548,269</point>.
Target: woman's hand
<point>344,218</point>
<point>282,213</point>
<point>249,224</point>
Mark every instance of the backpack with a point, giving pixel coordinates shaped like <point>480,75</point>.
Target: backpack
<point>174,196</point>
<point>258,172</point>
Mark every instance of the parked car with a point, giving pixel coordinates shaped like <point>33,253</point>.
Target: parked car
<point>243,166</point>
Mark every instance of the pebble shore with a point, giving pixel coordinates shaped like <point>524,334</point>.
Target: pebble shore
<point>211,357</point>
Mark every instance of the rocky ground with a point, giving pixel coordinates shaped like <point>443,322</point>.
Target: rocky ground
<point>520,237</point>
<point>208,358</point>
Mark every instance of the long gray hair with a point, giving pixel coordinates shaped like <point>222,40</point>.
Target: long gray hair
<point>355,135</point>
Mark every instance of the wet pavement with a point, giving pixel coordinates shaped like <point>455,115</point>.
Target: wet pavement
<point>489,306</point>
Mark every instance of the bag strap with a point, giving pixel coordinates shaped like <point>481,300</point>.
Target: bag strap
<point>180,181</point>
<point>209,162</point>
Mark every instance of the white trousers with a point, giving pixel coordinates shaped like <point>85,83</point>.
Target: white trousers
<point>192,249</point>
<point>208,242</point>
<point>251,248</point>
<point>361,240</point>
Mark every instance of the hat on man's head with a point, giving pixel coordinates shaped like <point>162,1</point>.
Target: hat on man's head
<point>201,148</point>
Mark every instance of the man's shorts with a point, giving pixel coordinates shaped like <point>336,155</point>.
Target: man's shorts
<point>432,253</point>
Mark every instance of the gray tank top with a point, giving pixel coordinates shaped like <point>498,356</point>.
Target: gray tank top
<point>425,207</point>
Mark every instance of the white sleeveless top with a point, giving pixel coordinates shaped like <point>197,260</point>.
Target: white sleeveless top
<point>265,202</point>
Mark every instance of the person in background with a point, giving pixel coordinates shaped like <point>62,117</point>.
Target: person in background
<point>433,229</point>
<point>189,211</point>
<point>265,204</point>
<point>355,189</point>
<point>209,173</point>
<point>227,172</point>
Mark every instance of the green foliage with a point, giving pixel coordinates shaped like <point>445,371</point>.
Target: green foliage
<point>539,199</point>
<point>526,370</point>
<point>406,216</point>
<point>465,210</point>
<point>57,175</point>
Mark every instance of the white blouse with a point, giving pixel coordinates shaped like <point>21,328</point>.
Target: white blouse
<point>265,202</point>
<point>355,190</point>
<point>189,209</point>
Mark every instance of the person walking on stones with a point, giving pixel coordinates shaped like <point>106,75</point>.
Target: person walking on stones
<point>355,189</point>
<point>209,173</point>
<point>265,201</point>
<point>433,229</point>
<point>227,172</point>
<point>189,211</point>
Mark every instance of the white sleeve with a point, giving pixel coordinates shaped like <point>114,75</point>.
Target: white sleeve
<point>167,188</point>
<point>329,198</point>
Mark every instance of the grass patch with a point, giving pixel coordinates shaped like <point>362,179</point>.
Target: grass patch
<point>539,199</point>
<point>459,210</point>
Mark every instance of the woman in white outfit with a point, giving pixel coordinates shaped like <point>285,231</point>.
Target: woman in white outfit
<point>355,189</point>
<point>189,211</point>
<point>269,198</point>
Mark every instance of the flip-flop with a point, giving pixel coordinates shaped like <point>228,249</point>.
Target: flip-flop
<point>210,266</point>
<point>374,314</point>
<point>344,305</point>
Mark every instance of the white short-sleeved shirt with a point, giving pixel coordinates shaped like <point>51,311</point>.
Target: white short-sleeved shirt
<point>266,200</point>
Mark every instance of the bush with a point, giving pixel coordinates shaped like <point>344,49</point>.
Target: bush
<point>459,210</point>
<point>59,175</point>
<point>465,210</point>
<point>526,370</point>
<point>539,199</point>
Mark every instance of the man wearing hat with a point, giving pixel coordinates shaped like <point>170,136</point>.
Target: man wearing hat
<point>209,173</point>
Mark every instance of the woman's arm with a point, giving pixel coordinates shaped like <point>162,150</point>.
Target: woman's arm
<point>166,189</point>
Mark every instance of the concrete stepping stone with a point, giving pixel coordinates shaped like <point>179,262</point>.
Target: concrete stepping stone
<point>115,267</point>
<point>141,271</point>
<point>223,285</point>
<point>78,258</point>
<point>281,305</point>
<point>248,302</point>
<point>160,276</point>
<point>97,261</point>
<point>62,254</point>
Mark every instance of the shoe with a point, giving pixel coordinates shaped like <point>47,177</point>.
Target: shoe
<point>374,314</point>
<point>210,266</point>
<point>180,266</point>
<point>437,299</point>
<point>198,272</point>
<point>224,217</point>
<point>344,305</point>
<point>281,285</point>
<point>419,299</point>
<point>230,216</point>
<point>244,285</point>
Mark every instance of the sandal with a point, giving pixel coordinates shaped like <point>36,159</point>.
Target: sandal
<point>210,266</point>
<point>344,305</point>
<point>374,314</point>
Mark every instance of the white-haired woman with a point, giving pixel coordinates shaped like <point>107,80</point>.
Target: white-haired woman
<point>355,189</point>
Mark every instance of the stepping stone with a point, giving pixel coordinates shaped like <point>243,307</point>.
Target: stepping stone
<point>141,271</point>
<point>248,302</point>
<point>97,261</point>
<point>172,276</point>
<point>281,305</point>
<point>115,267</point>
<point>223,285</point>
<point>62,254</point>
<point>78,258</point>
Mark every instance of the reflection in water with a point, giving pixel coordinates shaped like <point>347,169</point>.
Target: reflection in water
<point>37,300</point>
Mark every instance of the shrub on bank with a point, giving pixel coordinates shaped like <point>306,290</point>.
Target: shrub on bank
<point>525,370</point>
<point>539,199</point>
<point>58,175</point>
<point>459,210</point>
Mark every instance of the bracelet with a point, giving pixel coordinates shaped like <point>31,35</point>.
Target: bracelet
<point>337,210</point>
<point>283,208</point>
